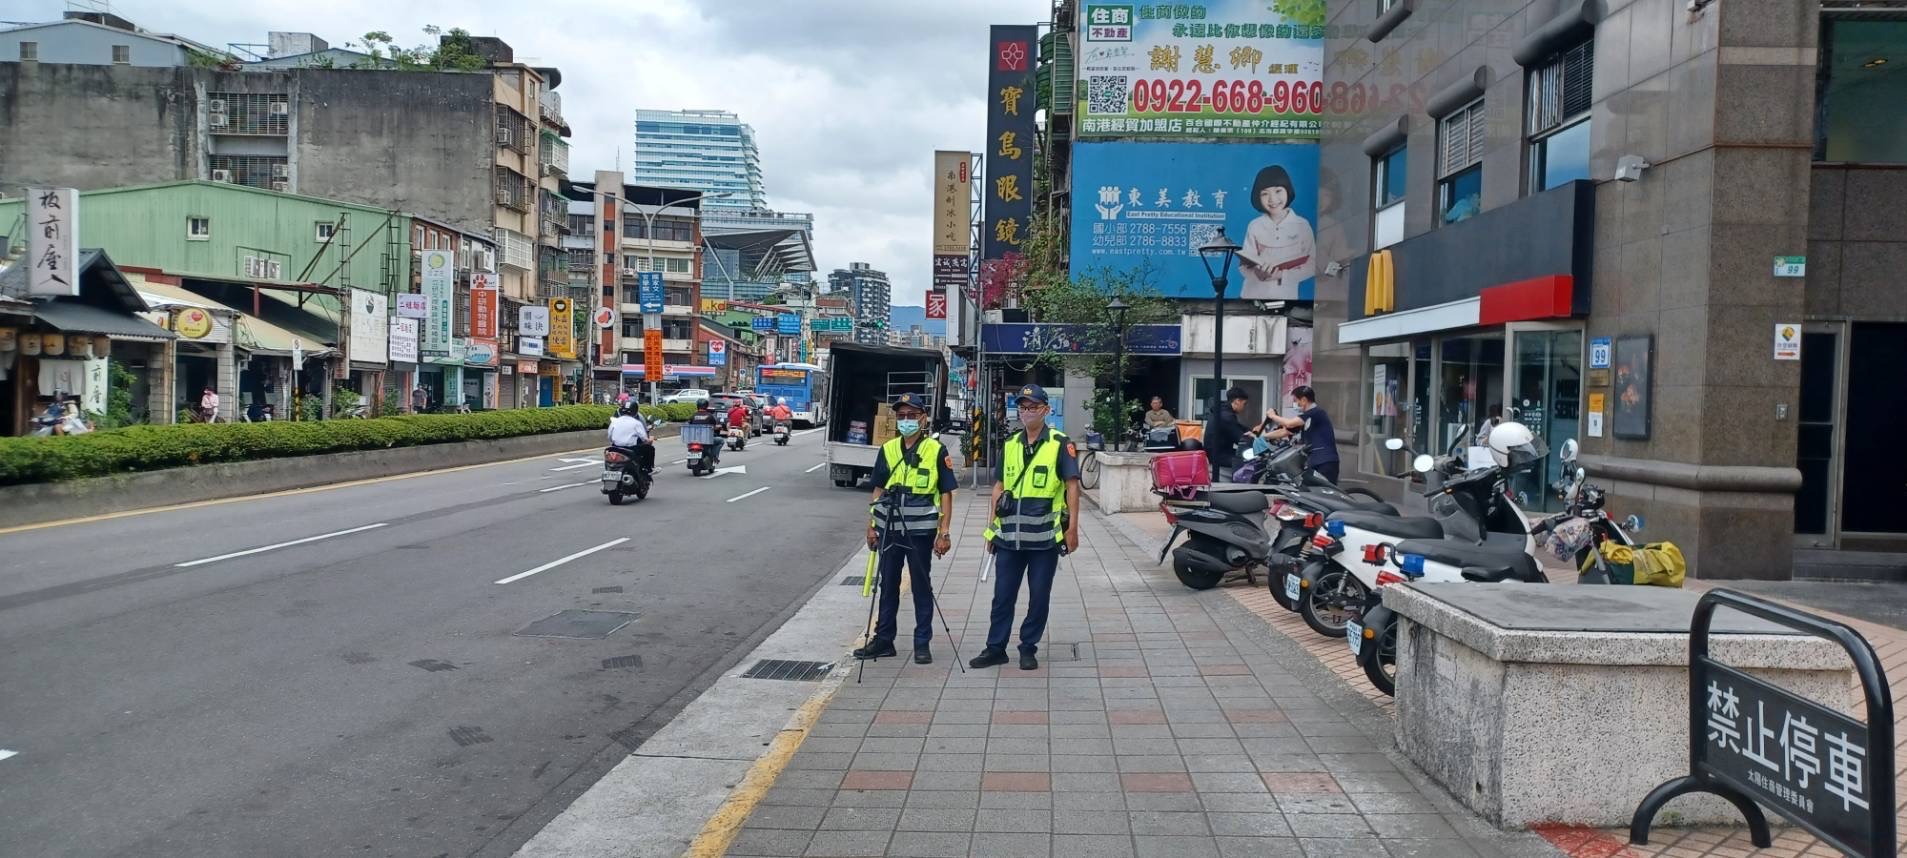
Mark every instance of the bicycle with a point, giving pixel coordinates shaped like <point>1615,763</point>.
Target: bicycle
<point>1089,460</point>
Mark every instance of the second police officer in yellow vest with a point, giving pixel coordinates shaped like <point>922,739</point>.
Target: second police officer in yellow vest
<point>913,507</point>
<point>1035,515</point>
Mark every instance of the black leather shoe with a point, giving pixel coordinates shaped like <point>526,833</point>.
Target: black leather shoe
<point>923,656</point>
<point>1029,662</point>
<point>877,649</point>
<point>988,658</point>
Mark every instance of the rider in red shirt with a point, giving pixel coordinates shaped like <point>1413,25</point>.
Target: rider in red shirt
<point>738,415</point>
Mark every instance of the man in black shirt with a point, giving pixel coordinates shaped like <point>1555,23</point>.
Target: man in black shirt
<point>1320,437</point>
<point>1223,431</point>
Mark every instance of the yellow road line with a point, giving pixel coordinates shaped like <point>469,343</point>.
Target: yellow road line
<point>720,830</point>
<point>306,490</point>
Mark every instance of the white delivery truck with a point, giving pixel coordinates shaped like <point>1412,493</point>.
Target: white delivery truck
<point>860,378</point>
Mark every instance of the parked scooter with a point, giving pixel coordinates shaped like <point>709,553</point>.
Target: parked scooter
<point>1496,556</point>
<point>624,471</point>
<point>1473,522</point>
<point>1578,532</point>
<point>703,448</point>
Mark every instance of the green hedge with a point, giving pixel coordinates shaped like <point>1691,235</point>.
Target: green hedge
<point>147,448</point>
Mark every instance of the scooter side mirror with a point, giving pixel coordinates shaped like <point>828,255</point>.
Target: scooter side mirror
<point>1393,444</point>
<point>1568,453</point>
<point>1633,523</point>
<point>1423,464</point>
<point>1581,475</point>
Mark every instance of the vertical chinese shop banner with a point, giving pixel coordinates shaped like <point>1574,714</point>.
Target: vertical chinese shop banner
<point>1223,68</point>
<point>953,225</point>
<point>1009,153</point>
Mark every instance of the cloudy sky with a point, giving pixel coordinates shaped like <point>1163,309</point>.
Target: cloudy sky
<point>849,98</point>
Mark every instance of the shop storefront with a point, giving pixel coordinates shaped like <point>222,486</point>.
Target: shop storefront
<point>1458,329</point>
<point>56,349</point>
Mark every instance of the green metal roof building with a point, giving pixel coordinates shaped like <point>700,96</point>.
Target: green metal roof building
<point>222,231</point>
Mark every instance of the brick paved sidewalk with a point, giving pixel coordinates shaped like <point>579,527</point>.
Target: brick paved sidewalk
<point>1890,645</point>
<point>1163,722</point>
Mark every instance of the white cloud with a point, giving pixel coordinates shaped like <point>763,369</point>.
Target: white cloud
<point>849,98</point>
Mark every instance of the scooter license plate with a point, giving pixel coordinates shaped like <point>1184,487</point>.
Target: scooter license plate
<point>1291,586</point>
<point>1354,634</point>
<point>611,475</point>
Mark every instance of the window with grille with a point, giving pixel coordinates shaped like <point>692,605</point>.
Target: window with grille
<point>1560,94</point>
<point>513,130</point>
<point>248,113</point>
<point>1460,139</point>
<point>513,190</point>
<point>677,266</point>
<point>122,54</point>
<point>270,172</point>
<point>29,51</point>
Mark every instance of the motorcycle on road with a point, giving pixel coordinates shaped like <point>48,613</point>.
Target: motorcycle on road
<point>702,446</point>
<point>781,433</point>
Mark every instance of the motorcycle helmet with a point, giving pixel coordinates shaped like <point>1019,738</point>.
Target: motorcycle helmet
<point>1515,447</point>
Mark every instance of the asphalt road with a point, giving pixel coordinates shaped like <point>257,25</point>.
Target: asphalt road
<point>368,691</point>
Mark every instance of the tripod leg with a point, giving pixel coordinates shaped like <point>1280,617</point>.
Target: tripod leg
<point>873,590</point>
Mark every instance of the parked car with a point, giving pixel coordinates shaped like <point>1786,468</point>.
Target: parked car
<point>687,394</point>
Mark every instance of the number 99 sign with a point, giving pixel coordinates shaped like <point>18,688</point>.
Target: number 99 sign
<point>1239,97</point>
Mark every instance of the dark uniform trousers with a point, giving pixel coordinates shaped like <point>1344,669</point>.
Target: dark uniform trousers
<point>918,552</point>
<point>1038,567</point>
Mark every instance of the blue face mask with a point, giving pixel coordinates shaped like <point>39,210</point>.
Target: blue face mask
<point>907,427</point>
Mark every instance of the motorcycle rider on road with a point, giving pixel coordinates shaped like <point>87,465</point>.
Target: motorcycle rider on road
<point>780,412</point>
<point>738,416</point>
<point>628,431</point>
<point>706,417</point>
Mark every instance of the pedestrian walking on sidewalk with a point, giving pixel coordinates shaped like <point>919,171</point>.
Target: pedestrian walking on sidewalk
<point>913,507</point>
<point>1035,517</point>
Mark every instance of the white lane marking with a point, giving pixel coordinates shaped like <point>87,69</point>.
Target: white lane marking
<point>747,495</point>
<point>678,461</point>
<point>264,548</point>
<point>560,561</point>
<point>565,486</point>
<point>738,469</point>
<point>4,753</point>
<point>578,463</point>
<point>815,468</point>
<point>804,432</point>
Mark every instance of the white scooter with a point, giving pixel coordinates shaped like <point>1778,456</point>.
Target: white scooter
<point>781,433</point>
<point>1474,523</point>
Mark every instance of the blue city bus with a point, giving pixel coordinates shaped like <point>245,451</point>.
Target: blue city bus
<point>803,386</point>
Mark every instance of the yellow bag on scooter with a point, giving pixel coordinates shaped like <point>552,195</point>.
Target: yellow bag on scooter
<point>1657,564</point>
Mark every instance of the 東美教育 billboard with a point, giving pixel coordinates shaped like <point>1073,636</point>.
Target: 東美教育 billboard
<point>1145,208</point>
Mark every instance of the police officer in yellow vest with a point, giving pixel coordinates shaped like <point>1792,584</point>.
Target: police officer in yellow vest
<point>908,524</point>
<point>1035,515</point>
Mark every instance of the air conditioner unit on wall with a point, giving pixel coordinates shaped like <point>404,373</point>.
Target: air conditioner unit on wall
<point>504,197</point>
<point>504,137</point>
<point>281,171</point>
<point>216,105</point>
<point>281,185</point>
<point>486,260</point>
<point>221,175</point>
<point>217,120</point>
<point>280,108</point>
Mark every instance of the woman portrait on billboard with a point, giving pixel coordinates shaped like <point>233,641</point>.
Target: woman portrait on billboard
<point>1279,244</point>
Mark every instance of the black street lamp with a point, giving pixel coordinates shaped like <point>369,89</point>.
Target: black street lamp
<point>1219,251</point>
<point>1117,309</point>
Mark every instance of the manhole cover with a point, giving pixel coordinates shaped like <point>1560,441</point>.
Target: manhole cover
<point>793,671</point>
<point>584,625</point>
<point>1055,651</point>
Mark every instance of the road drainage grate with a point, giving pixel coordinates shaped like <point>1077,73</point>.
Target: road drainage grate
<point>851,580</point>
<point>601,590</point>
<point>467,736</point>
<point>620,661</point>
<point>433,665</point>
<point>792,671</point>
<point>577,624</point>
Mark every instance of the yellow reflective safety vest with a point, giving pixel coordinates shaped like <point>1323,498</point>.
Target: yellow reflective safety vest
<point>1036,494</point>
<point>917,487</point>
